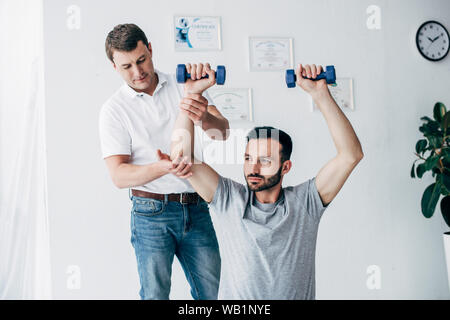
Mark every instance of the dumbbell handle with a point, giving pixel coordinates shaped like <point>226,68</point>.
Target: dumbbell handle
<point>329,75</point>
<point>188,75</point>
<point>182,75</point>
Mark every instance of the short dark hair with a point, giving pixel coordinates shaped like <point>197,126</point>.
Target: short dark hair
<point>279,135</point>
<point>124,37</point>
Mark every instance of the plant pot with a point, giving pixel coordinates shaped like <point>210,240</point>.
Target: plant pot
<point>447,254</point>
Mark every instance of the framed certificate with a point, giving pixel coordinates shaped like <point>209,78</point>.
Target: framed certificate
<point>342,94</point>
<point>270,54</point>
<point>197,33</point>
<point>235,104</point>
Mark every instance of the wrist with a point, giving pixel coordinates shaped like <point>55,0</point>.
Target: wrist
<point>320,95</point>
<point>161,168</point>
<point>191,91</point>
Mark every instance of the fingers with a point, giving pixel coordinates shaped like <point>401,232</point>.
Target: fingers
<point>198,71</point>
<point>211,73</point>
<point>299,71</point>
<point>159,154</point>
<point>309,71</point>
<point>189,68</point>
<point>182,167</point>
<point>319,70</point>
<point>313,71</point>
<point>192,110</point>
<point>195,104</point>
<point>195,97</point>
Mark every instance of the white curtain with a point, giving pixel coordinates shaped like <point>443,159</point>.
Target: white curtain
<point>24,238</point>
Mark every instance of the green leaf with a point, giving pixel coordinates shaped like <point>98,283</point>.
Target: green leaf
<point>435,141</point>
<point>420,170</point>
<point>446,181</point>
<point>446,121</point>
<point>421,145</point>
<point>431,162</point>
<point>439,111</point>
<point>412,170</point>
<point>445,209</point>
<point>426,119</point>
<point>430,198</point>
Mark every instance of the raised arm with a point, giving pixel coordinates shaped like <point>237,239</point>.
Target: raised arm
<point>214,124</point>
<point>333,175</point>
<point>202,177</point>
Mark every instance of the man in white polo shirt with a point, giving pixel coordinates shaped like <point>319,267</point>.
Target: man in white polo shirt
<point>167,218</point>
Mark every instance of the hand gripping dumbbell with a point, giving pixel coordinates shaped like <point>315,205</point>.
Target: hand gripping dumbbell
<point>182,74</point>
<point>329,75</point>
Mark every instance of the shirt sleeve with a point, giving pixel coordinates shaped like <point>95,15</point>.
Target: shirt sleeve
<point>226,192</point>
<point>308,194</point>
<point>314,203</point>
<point>114,137</point>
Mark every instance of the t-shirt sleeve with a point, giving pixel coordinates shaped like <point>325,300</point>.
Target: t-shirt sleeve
<point>114,137</point>
<point>314,204</point>
<point>221,202</point>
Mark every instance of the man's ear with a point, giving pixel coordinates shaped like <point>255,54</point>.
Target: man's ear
<point>150,48</point>
<point>287,165</point>
<point>114,65</point>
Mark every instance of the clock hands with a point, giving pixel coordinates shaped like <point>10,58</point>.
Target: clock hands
<point>433,40</point>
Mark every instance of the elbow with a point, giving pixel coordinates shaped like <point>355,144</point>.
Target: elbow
<point>354,157</point>
<point>226,134</point>
<point>119,184</point>
<point>358,156</point>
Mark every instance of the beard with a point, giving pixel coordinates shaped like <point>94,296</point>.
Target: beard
<point>267,182</point>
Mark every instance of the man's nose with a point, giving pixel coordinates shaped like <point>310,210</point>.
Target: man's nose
<point>137,71</point>
<point>255,166</point>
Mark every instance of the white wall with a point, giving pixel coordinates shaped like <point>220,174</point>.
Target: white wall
<point>375,219</point>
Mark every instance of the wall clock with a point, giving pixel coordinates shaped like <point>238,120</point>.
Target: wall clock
<point>432,40</point>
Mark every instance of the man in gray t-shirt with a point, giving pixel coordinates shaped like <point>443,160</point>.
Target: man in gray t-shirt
<point>267,249</point>
<point>267,233</point>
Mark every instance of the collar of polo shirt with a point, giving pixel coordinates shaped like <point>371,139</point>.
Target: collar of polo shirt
<point>161,81</point>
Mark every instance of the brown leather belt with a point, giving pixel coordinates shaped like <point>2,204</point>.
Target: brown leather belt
<point>184,198</point>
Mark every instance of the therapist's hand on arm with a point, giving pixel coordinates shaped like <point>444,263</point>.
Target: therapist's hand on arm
<point>208,117</point>
<point>126,175</point>
<point>202,177</point>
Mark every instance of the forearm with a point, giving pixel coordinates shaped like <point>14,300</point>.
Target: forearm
<point>128,175</point>
<point>216,126</point>
<point>182,137</point>
<point>204,180</point>
<point>344,137</point>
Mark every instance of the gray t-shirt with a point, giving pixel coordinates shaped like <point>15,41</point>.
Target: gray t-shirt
<point>267,250</point>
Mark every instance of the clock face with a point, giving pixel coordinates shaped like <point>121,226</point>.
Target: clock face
<point>432,40</point>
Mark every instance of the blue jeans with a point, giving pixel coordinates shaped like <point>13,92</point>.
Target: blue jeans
<point>161,229</point>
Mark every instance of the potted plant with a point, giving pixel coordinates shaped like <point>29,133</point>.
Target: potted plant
<point>434,151</point>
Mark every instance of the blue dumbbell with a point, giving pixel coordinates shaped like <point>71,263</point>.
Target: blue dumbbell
<point>329,75</point>
<point>182,74</point>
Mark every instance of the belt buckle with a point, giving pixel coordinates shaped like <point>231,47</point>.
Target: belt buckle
<point>181,199</point>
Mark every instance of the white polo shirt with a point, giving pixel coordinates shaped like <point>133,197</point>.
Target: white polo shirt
<point>137,124</point>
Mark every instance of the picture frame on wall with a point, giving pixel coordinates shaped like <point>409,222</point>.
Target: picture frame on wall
<point>270,53</point>
<point>235,104</point>
<point>342,93</point>
<point>197,33</point>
